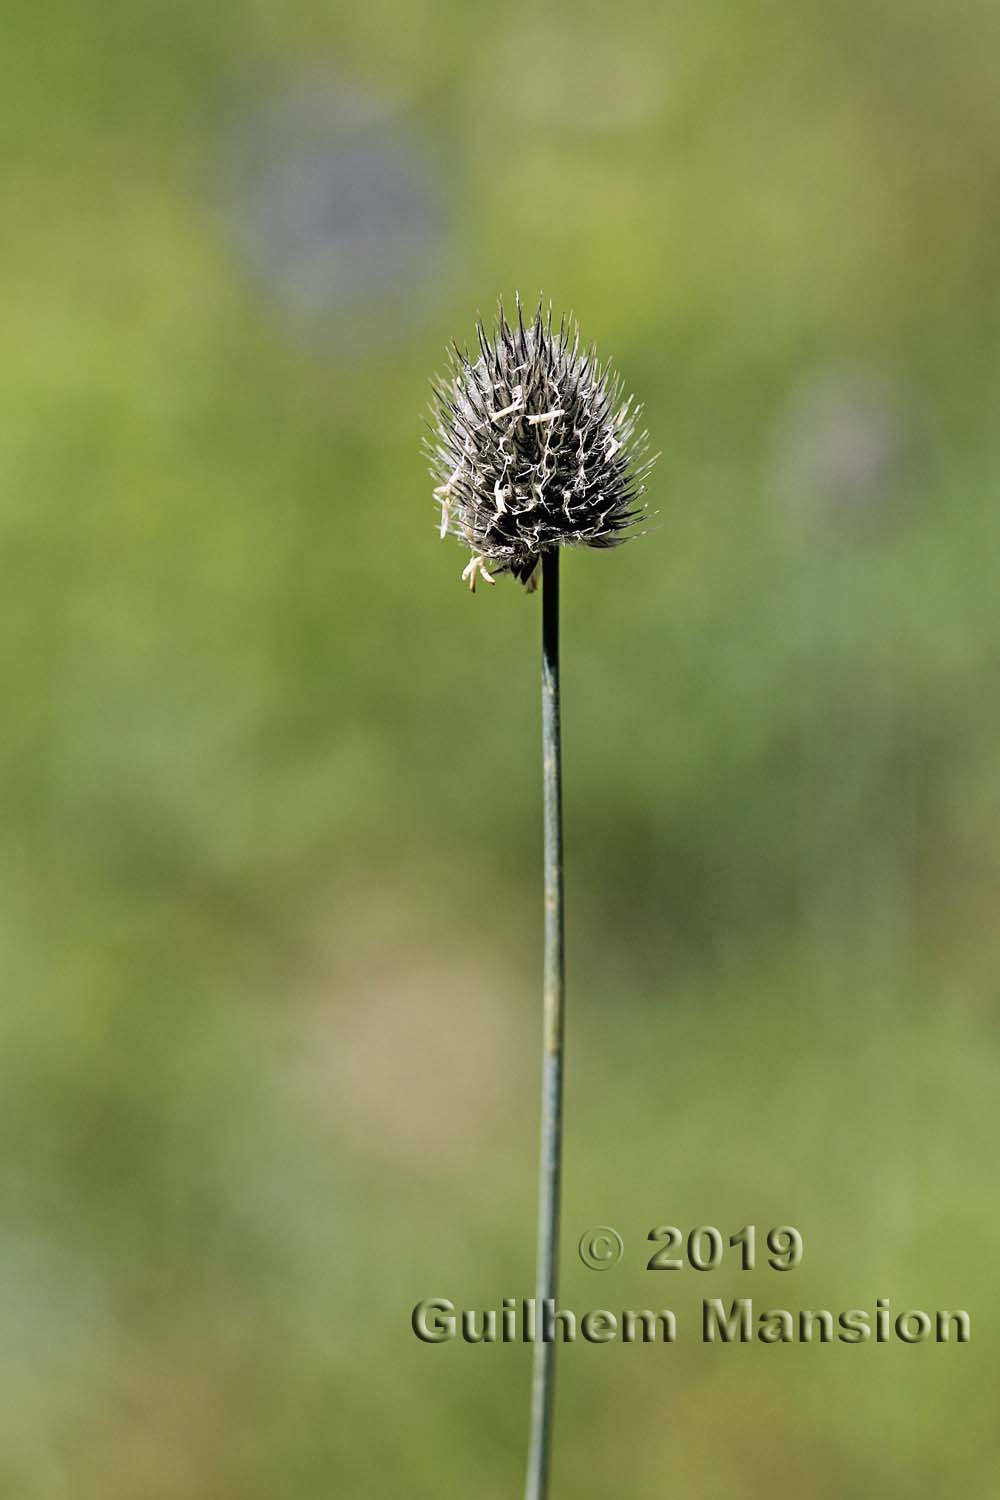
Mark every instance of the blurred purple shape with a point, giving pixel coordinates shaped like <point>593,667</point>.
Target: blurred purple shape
<point>336,211</point>
<point>841,443</point>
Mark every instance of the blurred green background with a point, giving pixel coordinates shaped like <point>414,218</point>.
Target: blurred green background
<point>271,917</point>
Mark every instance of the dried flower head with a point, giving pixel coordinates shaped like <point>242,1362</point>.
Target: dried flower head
<point>534,447</point>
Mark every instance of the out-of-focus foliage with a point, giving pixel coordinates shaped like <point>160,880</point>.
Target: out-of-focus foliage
<point>270,917</point>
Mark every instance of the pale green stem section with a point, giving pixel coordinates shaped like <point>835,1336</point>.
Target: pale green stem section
<point>550,1165</point>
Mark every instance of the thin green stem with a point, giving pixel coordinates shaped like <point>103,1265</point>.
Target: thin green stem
<point>550,1164</point>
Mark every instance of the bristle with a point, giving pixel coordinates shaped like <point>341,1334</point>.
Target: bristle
<point>534,446</point>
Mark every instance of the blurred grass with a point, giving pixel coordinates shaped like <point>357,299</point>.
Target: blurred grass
<point>270,918</point>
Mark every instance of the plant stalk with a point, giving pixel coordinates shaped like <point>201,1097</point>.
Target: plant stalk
<point>550,1162</point>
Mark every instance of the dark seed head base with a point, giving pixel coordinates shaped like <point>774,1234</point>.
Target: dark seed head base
<point>533,447</point>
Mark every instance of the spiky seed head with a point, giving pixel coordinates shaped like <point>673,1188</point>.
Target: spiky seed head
<point>533,446</point>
